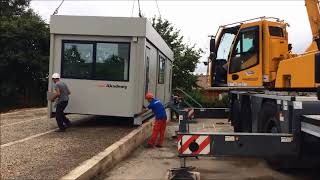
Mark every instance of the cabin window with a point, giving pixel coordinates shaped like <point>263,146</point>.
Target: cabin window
<point>77,60</point>
<point>161,71</point>
<point>246,51</point>
<point>146,88</point>
<point>275,31</point>
<point>225,46</point>
<point>112,61</point>
<point>95,60</point>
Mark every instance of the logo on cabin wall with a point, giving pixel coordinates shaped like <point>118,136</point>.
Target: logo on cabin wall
<point>249,73</point>
<point>250,79</point>
<point>112,85</point>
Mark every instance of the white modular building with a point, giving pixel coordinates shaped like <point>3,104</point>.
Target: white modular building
<point>109,63</point>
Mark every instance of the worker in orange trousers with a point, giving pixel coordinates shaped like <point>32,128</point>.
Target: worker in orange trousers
<point>160,121</point>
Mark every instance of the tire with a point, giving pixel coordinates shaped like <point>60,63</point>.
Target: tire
<point>245,114</point>
<point>272,126</point>
<point>234,115</point>
<point>268,118</point>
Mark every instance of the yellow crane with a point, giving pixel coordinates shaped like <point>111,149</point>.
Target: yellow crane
<point>254,57</point>
<point>255,54</point>
<point>273,105</point>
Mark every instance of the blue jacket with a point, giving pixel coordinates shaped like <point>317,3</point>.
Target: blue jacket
<point>158,109</point>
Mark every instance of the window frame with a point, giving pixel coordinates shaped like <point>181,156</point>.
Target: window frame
<point>94,58</point>
<point>221,40</point>
<point>273,29</point>
<point>164,67</point>
<point>257,49</point>
<point>63,59</point>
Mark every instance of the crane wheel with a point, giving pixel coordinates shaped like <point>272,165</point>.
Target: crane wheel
<point>272,125</point>
<point>268,119</point>
<point>245,114</point>
<point>234,115</point>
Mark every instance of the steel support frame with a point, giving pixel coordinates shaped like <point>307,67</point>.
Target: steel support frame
<point>285,144</point>
<point>247,145</point>
<point>211,113</point>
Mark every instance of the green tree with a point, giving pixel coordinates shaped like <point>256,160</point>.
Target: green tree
<point>72,55</point>
<point>186,57</point>
<point>24,55</point>
<point>12,8</point>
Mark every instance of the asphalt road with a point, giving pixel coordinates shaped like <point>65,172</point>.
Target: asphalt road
<point>31,149</point>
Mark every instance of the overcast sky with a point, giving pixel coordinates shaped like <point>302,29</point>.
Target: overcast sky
<point>196,19</point>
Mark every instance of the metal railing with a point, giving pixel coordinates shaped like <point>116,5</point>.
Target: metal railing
<point>189,98</point>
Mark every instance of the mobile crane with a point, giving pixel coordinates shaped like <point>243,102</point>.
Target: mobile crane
<point>274,93</point>
<point>255,56</point>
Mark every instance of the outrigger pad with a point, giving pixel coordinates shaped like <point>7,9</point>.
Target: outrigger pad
<point>184,173</point>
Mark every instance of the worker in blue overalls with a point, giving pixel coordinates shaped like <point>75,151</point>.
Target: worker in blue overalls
<point>160,121</point>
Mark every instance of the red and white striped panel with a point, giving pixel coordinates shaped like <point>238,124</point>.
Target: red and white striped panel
<point>190,113</point>
<point>200,141</point>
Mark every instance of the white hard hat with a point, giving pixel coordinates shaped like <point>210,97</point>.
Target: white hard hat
<point>56,76</point>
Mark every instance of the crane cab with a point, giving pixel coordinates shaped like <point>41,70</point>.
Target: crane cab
<point>247,53</point>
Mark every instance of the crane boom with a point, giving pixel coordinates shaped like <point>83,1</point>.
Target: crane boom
<point>313,11</point>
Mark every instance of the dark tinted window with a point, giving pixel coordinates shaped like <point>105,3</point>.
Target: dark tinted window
<point>245,53</point>
<point>161,70</point>
<point>112,62</point>
<point>78,58</point>
<point>95,60</point>
<point>275,31</point>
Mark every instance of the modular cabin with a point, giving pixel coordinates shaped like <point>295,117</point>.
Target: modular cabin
<point>109,64</point>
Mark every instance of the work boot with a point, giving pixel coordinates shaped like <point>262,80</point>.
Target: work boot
<point>149,146</point>
<point>67,125</point>
<point>60,130</point>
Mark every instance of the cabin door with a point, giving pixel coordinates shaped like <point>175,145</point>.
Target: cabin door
<point>161,77</point>
<point>147,85</point>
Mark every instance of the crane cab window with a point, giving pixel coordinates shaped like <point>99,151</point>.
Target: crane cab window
<point>275,31</point>
<point>225,46</point>
<point>246,50</point>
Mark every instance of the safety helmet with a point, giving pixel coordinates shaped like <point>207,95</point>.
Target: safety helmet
<point>149,95</point>
<point>56,76</point>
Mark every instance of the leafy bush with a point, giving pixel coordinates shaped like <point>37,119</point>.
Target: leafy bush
<point>24,56</point>
<point>209,102</point>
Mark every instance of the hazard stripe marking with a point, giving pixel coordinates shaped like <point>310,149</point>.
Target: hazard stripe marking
<point>190,113</point>
<point>203,145</point>
<point>185,145</point>
<point>179,137</point>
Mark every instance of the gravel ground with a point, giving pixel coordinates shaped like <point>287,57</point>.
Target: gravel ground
<point>154,163</point>
<point>19,116</point>
<point>53,155</point>
<point>26,129</point>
